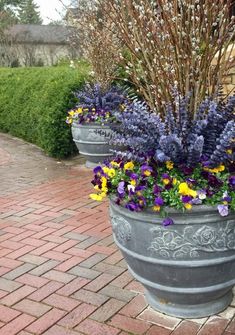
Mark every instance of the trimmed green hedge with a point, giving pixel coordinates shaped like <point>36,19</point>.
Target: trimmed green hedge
<point>34,104</point>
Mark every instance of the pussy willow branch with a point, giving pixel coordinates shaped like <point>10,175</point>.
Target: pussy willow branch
<point>99,45</point>
<point>178,43</point>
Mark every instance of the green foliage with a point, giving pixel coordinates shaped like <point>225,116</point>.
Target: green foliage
<point>5,3</point>
<point>28,12</point>
<point>34,104</point>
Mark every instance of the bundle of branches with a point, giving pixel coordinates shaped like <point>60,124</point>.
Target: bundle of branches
<point>179,45</point>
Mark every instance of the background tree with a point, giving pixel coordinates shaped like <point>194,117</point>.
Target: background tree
<point>8,13</point>
<point>5,4</point>
<point>28,12</point>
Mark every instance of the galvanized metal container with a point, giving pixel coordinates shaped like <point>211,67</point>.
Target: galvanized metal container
<point>187,269</point>
<point>92,141</point>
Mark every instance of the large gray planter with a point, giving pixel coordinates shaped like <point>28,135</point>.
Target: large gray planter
<point>92,141</point>
<point>187,269</point>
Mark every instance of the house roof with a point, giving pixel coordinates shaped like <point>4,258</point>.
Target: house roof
<point>42,34</point>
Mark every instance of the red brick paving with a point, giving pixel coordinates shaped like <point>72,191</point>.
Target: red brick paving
<point>61,273</point>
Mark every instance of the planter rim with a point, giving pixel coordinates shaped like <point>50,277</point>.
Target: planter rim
<point>195,211</point>
<point>91,125</point>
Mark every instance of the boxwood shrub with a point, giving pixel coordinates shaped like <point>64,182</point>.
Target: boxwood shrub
<point>34,104</point>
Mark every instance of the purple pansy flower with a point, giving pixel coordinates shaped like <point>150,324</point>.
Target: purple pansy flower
<point>231,182</point>
<point>159,201</point>
<point>157,189</point>
<point>98,169</point>
<point>191,181</point>
<point>186,199</point>
<point>142,201</point>
<point>196,201</point>
<point>227,198</point>
<point>140,188</point>
<point>165,176</point>
<point>168,186</point>
<point>146,170</point>
<point>132,206</point>
<point>121,189</point>
<point>213,181</point>
<point>134,176</point>
<point>167,222</point>
<point>223,210</point>
<point>186,170</point>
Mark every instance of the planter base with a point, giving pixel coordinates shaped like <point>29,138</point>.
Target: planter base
<point>90,165</point>
<point>189,311</point>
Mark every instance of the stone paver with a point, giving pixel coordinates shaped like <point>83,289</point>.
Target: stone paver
<point>61,273</point>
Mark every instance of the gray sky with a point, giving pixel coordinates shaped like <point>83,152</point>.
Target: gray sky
<point>51,9</point>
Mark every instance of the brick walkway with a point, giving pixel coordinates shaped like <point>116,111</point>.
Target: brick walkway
<point>61,273</point>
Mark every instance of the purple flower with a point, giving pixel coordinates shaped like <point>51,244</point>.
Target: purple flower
<point>159,201</point>
<point>165,176</point>
<point>223,210</point>
<point>167,222</point>
<point>186,170</point>
<point>209,193</point>
<point>142,201</point>
<point>168,186</point>
<point>186,199</point>
<point>213,181</point>
<point>227,198</point>
<point>196,201</point>
<point>140,188</point>
<point>98,169</point>
<point>146,170</point>
<point>231,168</point>
<point>134,176</point>
<point>132,206</point>
<point>157,189</point>
<point>191,181</point>
<point>121,189</point>
<point>231,182</point>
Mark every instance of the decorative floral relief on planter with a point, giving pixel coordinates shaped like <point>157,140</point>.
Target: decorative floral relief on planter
<point>121,229</point>
<point>172,243</point>
<point>93,136</point>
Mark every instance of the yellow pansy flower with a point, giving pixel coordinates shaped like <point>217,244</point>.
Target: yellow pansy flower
<point>97,197</point>
<point>169,165</point>
<point>188,206</point>
<point>133,182</point>
<point>219,168</point>
<point>185,190</point>
<point>79,110</point>
<point>110,172</point>
<point>129,166</point>
<point>229,151</point>
<point>69,120</point>
<point>175,181</point>
<point>166,181</point>
<point>156,208</point>
<point>113,163</point>
<point>104,184</point>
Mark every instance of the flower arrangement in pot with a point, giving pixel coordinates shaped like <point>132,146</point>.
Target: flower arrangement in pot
<point>91,118</point>
<point>172,193</point>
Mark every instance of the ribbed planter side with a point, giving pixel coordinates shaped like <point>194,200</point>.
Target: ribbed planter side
<point>187,269</point>
<point>92,141</point>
